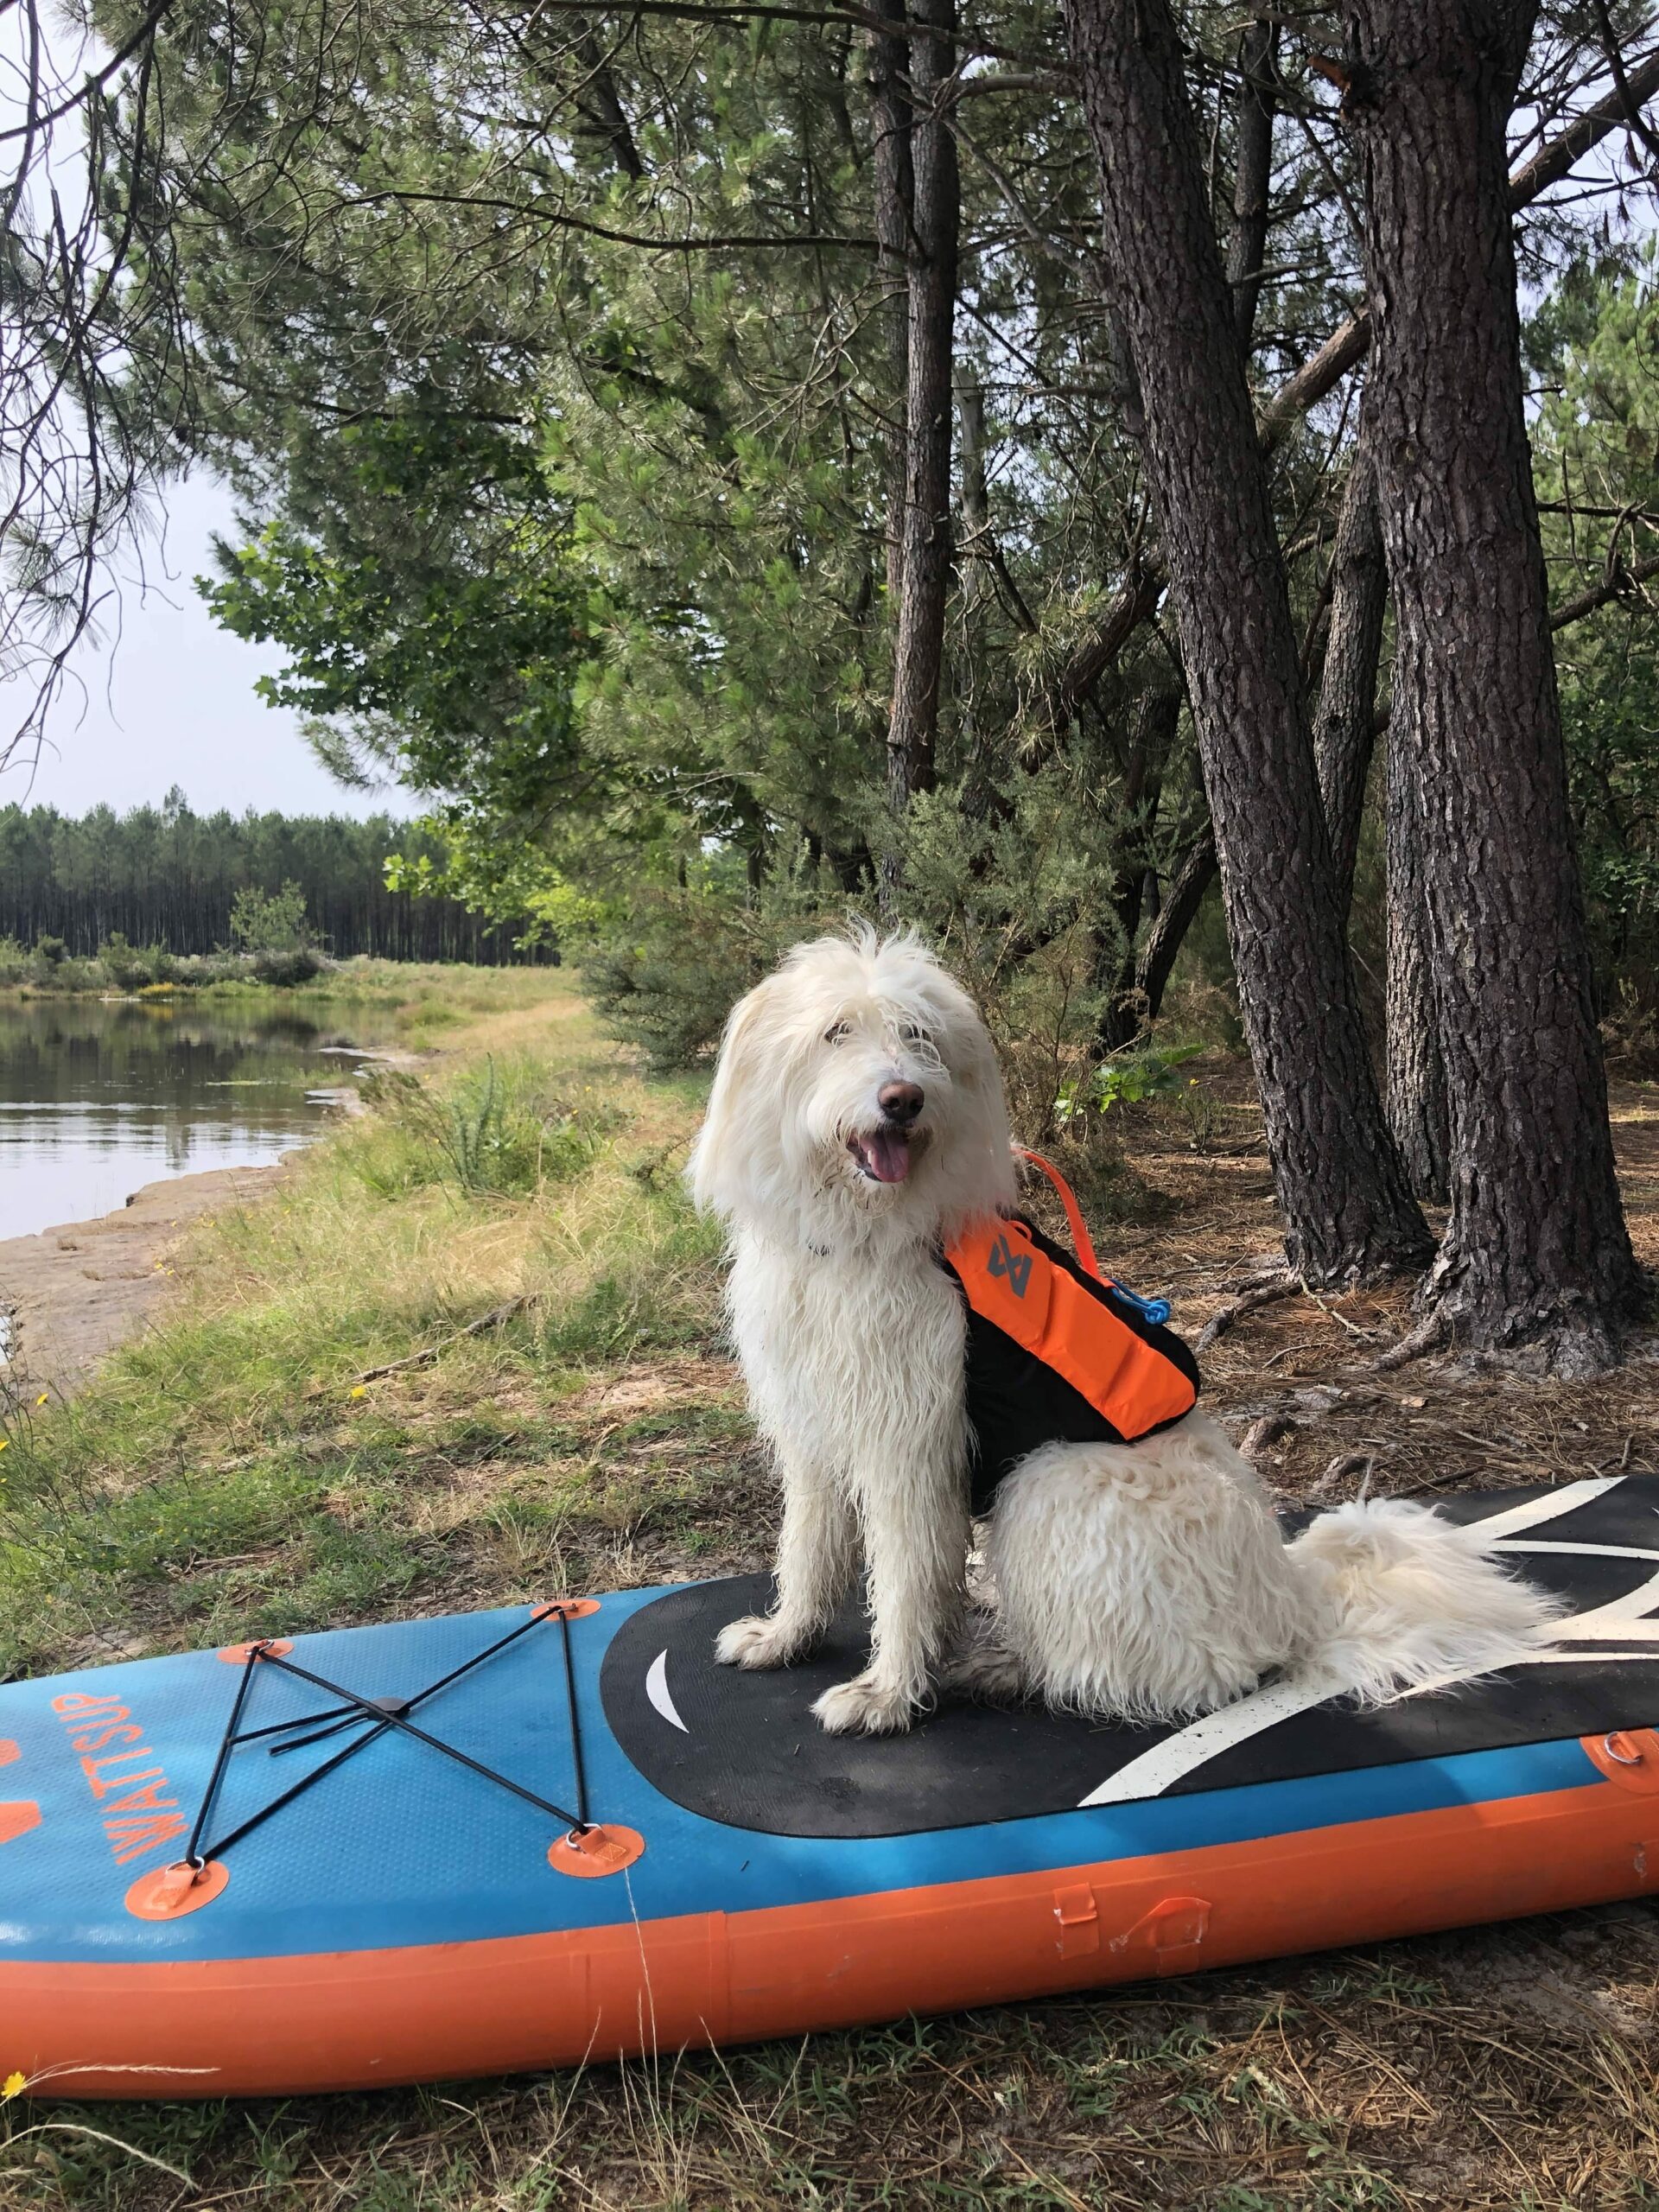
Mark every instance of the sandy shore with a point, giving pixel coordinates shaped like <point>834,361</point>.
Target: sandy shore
<point>70,1295</point>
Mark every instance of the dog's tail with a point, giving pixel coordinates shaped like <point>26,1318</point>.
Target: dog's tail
<point>1402,1599</point>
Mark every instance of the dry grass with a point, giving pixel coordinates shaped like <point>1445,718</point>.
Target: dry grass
<point>597,1440</point>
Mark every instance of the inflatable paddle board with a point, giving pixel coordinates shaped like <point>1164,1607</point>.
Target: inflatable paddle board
<point>561,1833</point>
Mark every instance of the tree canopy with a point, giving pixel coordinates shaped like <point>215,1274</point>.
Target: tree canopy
<point>584,376</point>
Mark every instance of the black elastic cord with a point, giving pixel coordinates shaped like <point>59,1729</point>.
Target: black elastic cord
<point>373,1711</point>
<point>192,1855</point>
<point>353,1711</point>
<point>576,1733</point>
<point>383,1718</point>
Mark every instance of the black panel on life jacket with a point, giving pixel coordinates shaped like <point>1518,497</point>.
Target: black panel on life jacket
<point>1016,1403</point>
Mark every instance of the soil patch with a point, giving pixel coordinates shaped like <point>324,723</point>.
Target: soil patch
<point>70,1295</point>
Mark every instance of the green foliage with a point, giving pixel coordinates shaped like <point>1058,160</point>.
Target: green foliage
<point>166,876</point>
<point>1128,1079</point>
<point>433,596</point>
<point>584,537</point>
<point>270,921</point>
<point>665,976</point>
<point>1597,462</point>
<point>495,1131</point>
<point>272,929</point>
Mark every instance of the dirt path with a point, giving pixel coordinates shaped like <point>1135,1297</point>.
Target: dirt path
<point>70,1295</point>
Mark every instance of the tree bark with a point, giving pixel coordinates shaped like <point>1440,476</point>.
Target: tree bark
<point>1416,1069</point>
<point>926,551</point>
<point>892,192</point>
<point>1344,720</point>
<point>1175,917</point>
<point>1348,1211</point>
<point>1536,1246</point>
<point>1258,61</point>
<point>1126,1014</point>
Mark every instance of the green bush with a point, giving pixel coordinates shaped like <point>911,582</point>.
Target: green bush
<point>496,1132</point>
<point>130,967</point>
<point>286,967</point>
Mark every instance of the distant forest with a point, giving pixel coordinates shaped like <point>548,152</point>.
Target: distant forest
<point>164,875</point>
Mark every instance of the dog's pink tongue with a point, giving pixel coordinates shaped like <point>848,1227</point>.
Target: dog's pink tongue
<point>886,1155</point>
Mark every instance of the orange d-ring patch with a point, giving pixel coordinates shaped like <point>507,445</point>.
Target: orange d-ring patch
<point>574,1609</point>
<point>603,1850</point>
<point>1628,1757</point>
<point>238,1655</point>
<point>166,1892</point>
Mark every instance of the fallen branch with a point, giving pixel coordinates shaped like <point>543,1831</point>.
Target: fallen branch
<point>1338,1470</point>
<point>493,1320</point>
<point>1265,1294</point>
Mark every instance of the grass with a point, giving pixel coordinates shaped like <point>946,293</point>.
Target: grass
<point>245,1468</point>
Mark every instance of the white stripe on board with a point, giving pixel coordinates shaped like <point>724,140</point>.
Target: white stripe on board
<point>1622,1611</point>
<point>657,1691</point>
<point>1151,1773</point>
<point>1527,1659</point>
<point>1578,1551</point>
<point>1550,1506</point>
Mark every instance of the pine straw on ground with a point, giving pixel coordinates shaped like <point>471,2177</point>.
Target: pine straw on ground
<point>1510,2067</point>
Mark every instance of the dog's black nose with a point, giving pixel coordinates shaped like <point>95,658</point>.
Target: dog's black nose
<point>901,1101</point>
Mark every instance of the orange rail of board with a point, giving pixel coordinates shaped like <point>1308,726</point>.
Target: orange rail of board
<point>356,2019</point>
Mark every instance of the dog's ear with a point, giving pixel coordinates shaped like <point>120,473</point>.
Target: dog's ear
<point>723,1141</point>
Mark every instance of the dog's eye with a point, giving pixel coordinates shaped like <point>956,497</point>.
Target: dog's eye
<point>834,1036</point>
<point>913,1035</point>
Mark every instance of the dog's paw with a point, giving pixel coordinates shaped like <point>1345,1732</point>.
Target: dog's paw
<point>989,1674</point>
<point>862,1707</point>
<point>757,1640</point>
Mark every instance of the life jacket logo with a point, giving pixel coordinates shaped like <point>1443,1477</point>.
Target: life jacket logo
<point>1015,1268</point>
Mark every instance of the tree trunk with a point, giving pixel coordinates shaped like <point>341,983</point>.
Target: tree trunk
<point>918,650</point>
<point>1536,1246</point>
<point>1344,721</point>
<point>1416,1070</point>
<point>1258,61</point>
<point>1348,1211</point>
<point>892,191</point>
<point>1126,1014</point>
<point>1174,918</point>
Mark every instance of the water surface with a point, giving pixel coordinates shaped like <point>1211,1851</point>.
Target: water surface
<point>98,1096</point>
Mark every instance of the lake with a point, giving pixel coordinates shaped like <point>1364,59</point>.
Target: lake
<point>98,1097</point>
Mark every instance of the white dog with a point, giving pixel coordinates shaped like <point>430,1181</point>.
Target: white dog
<point>856,1126</point>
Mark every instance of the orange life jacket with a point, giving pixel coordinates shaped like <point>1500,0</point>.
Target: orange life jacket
<point>1057,1350</point>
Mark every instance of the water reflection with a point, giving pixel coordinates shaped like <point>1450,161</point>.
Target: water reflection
<point>98,1096</point>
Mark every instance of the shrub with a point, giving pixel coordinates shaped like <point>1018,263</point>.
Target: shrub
<point>285,968</point>
<point>494,1132</point>
<point>665,979</point>
<point>271,921</point>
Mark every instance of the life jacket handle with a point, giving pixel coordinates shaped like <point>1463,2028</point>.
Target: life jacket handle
<point>1073,1212</point>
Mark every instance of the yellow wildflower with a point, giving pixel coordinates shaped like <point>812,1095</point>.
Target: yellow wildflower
<point>359,1392</point>
<point>13,2086</point>
<point>5,1444</point>
<point>44,1395</point>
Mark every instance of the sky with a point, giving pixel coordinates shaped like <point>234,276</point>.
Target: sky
<point>170,700</point>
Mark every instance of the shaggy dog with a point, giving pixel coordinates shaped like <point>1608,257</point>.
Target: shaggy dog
<point>856,1126</point>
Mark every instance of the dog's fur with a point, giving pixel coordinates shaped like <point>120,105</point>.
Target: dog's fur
<point>1143,1580</point>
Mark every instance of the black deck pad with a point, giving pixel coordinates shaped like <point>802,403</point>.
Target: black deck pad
<point>743,1748</point>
